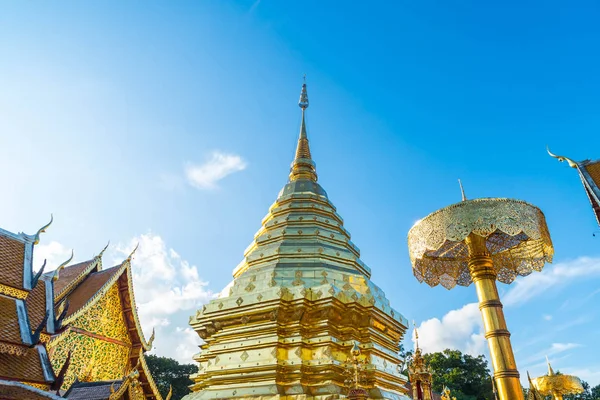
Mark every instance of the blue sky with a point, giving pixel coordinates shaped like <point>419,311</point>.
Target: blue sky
<point>121,118</point>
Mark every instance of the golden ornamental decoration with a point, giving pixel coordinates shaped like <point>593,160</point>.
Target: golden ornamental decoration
<point>557,385</point>
<point>516,234</point>
<point>13,292</point>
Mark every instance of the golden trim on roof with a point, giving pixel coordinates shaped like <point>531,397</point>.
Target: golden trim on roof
<point>571,163</point>
<point>149,377</point>
<point>13,292</point>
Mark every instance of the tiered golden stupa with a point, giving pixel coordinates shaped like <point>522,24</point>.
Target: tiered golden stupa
<point>299,300</point>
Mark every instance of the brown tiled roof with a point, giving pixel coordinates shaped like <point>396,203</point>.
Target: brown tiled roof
<point>9,321</point>
<point>24,368</point>
<point>12,253</point>
<point>92,390</point>
<point>10,390</point>
<point>88,288</point>
<point>68,275</point>
<point>36,304</point>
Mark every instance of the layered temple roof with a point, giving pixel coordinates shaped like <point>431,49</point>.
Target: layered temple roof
<point>83,290</point>
<point>25,312</point>
<point>589,172</point>
<point>75,322</point>
<point>300,298</point>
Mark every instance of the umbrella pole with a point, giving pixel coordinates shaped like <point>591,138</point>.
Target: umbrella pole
<point>483,274</point>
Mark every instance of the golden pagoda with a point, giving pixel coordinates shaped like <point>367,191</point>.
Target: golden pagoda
<point>420,374</point>
<point>589,172</point>
<point>299,299</point>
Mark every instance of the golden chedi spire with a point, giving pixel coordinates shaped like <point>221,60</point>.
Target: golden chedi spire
<point>303,166</point>
<point>300,298</point>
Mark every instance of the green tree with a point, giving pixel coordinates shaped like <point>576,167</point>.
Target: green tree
<point>588,394</point>
<point>466,376</point>
<point>167,372</point>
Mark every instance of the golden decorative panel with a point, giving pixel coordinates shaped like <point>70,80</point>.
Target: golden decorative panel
<point>12,292</point>
<point>105,317</point>
<point>92,359</point>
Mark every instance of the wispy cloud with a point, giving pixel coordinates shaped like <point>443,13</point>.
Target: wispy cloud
<point>553,350</point>
<point>459,329</point>
<point>217,167</point>
<point>551,278</point>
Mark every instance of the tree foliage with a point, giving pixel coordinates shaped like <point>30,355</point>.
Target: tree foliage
<point>167,372</point>
<point>468,377</point>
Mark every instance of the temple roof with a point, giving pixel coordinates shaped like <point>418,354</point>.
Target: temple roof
<point>32,366</point>
<point>23,299</point>
<point>73,274</point>
<point>92,390</point>
<point>91,284</point>
<point>10,390</point>
<point>589,172</point>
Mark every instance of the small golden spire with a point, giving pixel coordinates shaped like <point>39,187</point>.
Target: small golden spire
<point>303,166</point>
<point>170,393</point>
<point>416,335</point>
<point>462,190</point>
<point>550,370</point>
<point>571,163</point>
<point>60,267</point>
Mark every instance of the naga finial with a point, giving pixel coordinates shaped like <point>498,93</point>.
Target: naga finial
<point>571,163</point>
<point>462,190</point>
<point>151,340</point>
<point>103,250</point>
<point>36,238</point>
<point>170,393</point>
<point>131,254</point>
<point>61,266</point>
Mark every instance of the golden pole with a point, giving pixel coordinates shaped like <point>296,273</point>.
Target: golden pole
<point>483,274</point>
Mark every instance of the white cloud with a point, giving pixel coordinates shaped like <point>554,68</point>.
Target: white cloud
<point>560,274</point>
<point>547,317</point>
<point>54,253</point>
<point>206,175</point>
<point>168,289</point>
<point>459,329</point>
<point>556,348</point>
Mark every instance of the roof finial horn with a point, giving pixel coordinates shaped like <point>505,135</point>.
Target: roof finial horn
<point>571,163</point>
<point>462,190</point>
